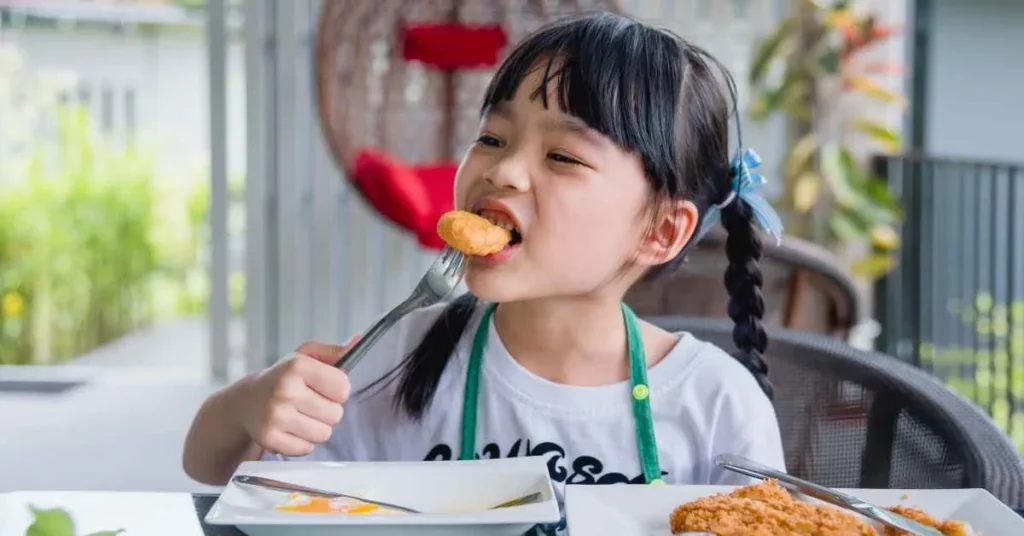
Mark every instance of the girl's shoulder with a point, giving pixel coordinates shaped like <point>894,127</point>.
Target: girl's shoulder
<point>707,375</point>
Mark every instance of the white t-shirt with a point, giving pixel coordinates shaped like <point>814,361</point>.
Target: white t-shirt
<point>703,403</point>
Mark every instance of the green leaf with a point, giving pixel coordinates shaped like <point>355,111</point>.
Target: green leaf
<point>792,93</point>
<point>874,265</point>
<point>806,191</point>
<point>873,89</point>
<point>50,522</point>
<point>877,131</point>
<point>801,155</point>
<point>853,190</point>
<point>878,189</point>
<point>828,62</point>
<point>884,238</point>
<point>836,170</point>
<point>776,43</point>
<point>871,210</point>
<point>844,227</point>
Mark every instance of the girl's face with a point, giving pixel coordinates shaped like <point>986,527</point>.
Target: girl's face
<point>578,201</point>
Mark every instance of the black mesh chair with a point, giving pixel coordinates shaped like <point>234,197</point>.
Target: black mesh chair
<point>857,419</point>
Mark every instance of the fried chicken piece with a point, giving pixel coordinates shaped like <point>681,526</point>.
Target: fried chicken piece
<point>472,234</point>
<point>764,509</point>
<point>949,528</point>
<point>767,509</point>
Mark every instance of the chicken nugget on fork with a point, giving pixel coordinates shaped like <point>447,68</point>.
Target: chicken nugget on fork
<point>472,234</point>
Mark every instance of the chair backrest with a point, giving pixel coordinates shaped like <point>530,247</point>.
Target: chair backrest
<point>805,287</point>
<point>857,419</point>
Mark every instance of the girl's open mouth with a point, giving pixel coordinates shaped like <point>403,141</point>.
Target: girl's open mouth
<point>503,220</point>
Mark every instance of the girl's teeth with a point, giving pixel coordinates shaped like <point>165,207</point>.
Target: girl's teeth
<point>498,220</point>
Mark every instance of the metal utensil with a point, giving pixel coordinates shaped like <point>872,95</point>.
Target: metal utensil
<point>288,487</point>
<point>519,501</point>
<point>751,468</point>
<point>440,280</point>
<point>277,485</point>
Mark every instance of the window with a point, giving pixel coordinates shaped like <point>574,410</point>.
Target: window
<point>84,96</point>
<point>129,114</point>
<point>107,109</point>
<point>702,10</point>
<point>740,9</point>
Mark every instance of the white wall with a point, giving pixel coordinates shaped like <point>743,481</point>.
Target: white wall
<point>975,85</point>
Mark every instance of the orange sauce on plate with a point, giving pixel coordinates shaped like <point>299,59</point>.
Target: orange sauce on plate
<point>300,503</point>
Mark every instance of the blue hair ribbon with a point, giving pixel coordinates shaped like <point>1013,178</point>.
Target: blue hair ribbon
<point>745,185</point>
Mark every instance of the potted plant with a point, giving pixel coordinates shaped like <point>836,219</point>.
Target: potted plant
<point>811,70</point>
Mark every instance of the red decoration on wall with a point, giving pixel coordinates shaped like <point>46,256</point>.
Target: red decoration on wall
<point>453,46</point>
<point>392,188</point>
<point>439,182</point>
<point>412,197</point>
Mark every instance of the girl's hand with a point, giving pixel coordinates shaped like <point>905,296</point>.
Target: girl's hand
<point>292,407</point>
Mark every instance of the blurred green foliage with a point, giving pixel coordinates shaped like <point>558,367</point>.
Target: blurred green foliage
<point>93,242</point>
<point>92,247</point>
<point>988,367</point>
<point>75,252</point>
<point>813,70</point>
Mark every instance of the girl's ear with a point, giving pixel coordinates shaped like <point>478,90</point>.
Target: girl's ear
<point>674,224</point>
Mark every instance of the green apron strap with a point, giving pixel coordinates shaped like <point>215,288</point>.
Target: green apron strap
<point>471,398</point>
<point>638,378</point>
<point>641,395</point>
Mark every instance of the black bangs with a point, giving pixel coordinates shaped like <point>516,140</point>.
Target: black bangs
<point>620,77</point>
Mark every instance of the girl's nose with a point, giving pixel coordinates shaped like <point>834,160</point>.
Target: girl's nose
<point>508,174</point>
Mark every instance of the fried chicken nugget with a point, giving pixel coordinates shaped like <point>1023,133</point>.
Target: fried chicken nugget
<point>472,234</point>
<point>764,509</point>
<point>949,528</point>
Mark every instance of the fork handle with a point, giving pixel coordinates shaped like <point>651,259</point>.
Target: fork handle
<point>372,335</point>
<point>288,487</point>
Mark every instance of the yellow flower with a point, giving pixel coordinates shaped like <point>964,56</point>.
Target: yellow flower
<point>12,305</point>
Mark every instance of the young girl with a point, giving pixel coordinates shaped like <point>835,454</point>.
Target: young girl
<point>604,144</point>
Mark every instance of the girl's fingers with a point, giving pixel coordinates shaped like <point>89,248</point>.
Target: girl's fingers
<point>282,442</point>
<point>308,429</point>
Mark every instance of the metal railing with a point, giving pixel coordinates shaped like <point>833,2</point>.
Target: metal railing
<point>955,304</point>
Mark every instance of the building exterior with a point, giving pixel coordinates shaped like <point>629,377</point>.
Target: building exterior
<point>140,68</point>
<point>970,78</point>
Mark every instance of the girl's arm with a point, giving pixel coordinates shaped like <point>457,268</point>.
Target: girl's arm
<point>217,442</point>
<point>289,408</point>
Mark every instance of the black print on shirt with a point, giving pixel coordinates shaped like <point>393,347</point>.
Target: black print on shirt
<point>582,470</point>
<point>552,529</point>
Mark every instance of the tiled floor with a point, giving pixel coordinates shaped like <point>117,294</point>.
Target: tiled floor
<point>122,429</point>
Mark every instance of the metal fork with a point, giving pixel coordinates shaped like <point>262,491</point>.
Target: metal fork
<point>440,280</point>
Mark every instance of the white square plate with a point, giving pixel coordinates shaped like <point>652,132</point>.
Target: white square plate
<point>624,510</point>
<point>455,497</point>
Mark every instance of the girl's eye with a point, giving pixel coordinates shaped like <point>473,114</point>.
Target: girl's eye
<point>488,141</point>
<point>562,159</point>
